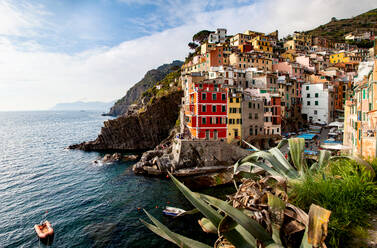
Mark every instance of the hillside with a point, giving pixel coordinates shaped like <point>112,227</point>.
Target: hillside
<point>336,29</point>
<point>148,81</point>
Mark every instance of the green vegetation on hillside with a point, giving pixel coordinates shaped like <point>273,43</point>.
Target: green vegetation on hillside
<point>336,29</point>
<point>171,78</point>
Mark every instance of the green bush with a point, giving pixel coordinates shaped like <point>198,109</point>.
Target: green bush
<point>344,188</point>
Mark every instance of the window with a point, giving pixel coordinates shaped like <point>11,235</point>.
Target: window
<point>249,104</point>
<point>204,108</point>
<point>250,116</point>
<point>308,103</point>
<point>308,95</point>
<point>256,116</point>
<point>204,96</point>
<point>230,100</point>
<point>238,121</point>
<point>223,109</point>
<point>316,103</point>
<point>315,112</point>
<point>316,95</point>
<point>307,87</point>
<point>223,97</point>
<point>237,100</point>
<point>214,108</point>
<point>250,131</point>
<point>239,110</point>
<point>203,120</point>
<point>214,96</point>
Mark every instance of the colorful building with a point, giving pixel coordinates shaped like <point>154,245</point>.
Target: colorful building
<point>205,108</point>
<point>360,123</point>
<point>234,124</point>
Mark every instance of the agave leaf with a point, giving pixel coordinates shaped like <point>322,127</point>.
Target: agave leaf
<point>189,212</point>
<point>304,241</point>
<point>238,237</point>
<point>207,225</point>
<point>296,149</point>
<point>275,163</point>
<point>318,221</point>
<point>263,166</point>
<point>157,231</point>
<point>203,207</point>
<point>226,224</point>
<point>324,157</point>
<point>280,157</point>
<point>253,227</point>
<point>282,143</point>
<point>277,207</point>
<point>251,146</point>
<point>179,240</point>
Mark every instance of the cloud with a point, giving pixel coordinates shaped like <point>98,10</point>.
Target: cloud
<point>33,78</point>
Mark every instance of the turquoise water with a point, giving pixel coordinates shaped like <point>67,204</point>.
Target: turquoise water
<point>89,205</point>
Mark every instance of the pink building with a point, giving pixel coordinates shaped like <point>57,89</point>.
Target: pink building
<point>294,70</point>
<point>305,62</point>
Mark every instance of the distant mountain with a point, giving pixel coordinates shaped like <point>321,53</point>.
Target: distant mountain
<point>149,79</point>
<point>336,29</point>
<point>93,106</point>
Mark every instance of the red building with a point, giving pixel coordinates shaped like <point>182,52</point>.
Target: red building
<point>206,109</point>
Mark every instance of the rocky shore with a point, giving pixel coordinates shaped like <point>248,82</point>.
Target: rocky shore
<point>197,163</point>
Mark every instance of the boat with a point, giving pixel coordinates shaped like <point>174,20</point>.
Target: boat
<point>44,231</point>
<point>172,211</point>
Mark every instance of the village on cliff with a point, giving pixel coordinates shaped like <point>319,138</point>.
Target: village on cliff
<point>252,86</point>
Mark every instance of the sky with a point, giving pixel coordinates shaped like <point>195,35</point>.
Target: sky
<point>54,51</point>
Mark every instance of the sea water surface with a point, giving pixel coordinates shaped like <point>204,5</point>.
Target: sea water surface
<point>89,205</point>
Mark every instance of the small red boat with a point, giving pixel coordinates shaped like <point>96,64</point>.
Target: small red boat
<point>44,231</point>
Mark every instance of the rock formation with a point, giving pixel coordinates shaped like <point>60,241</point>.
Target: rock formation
<point>142,130</point>
<point>148,81</point>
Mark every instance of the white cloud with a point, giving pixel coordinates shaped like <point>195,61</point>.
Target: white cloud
<point>31,78</point>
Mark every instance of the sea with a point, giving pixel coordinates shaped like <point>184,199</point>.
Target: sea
<point>88,204</point>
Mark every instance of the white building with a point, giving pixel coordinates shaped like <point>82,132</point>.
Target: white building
<point>217,37</point>
<point>317,102</point>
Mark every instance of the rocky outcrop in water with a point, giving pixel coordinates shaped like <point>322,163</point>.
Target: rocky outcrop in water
<point>142,130</point>
<point>192,158</point>
<point>148,81</point>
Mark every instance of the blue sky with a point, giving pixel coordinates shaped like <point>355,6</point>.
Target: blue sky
<point>56,51</point>
<point>73,26</point>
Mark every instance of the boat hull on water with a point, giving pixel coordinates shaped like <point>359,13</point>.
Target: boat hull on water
<point>45,232</point>
<point>171,211</point>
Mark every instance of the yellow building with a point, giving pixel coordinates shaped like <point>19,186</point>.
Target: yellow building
<point>288,55</point>
<point>344,57</point>
<point>261,43</point>
<point>234,123</point>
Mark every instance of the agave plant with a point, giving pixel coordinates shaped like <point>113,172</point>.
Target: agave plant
<point>239,226</point>
<point>274,163</point>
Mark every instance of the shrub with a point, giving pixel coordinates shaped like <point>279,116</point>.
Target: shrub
<point>344,188</point>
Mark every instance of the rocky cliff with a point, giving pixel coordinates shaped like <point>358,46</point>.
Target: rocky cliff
<point>142,130</point>
<point>148,81</point>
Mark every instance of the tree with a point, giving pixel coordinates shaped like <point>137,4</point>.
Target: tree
<point>192,45</point>
<point>201,36</point>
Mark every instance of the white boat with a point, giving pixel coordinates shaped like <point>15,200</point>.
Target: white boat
<point>172,211</point>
